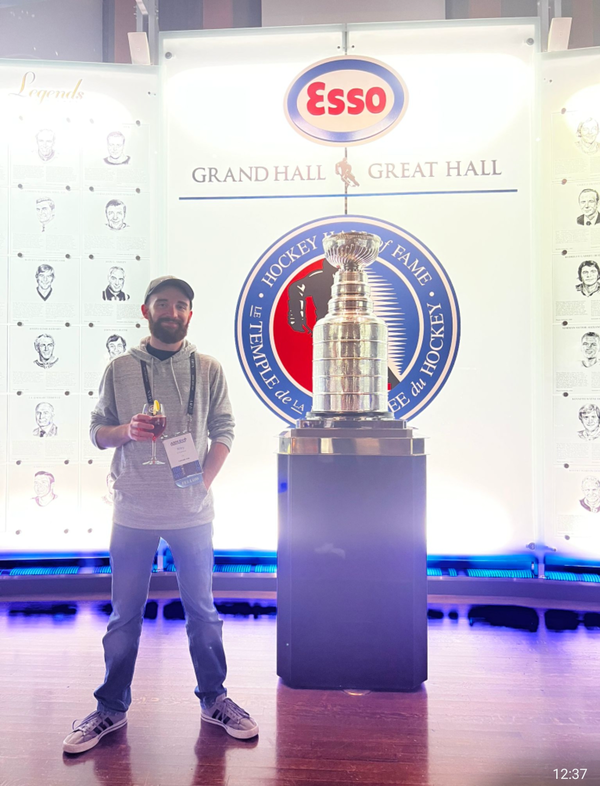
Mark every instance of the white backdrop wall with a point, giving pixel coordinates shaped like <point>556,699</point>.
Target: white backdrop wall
<point>319,12</point>
<point>471,99</point>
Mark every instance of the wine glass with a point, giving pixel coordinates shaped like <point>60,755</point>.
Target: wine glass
<point>159,423</point>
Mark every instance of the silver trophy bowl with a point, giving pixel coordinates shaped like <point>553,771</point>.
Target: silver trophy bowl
<point>350,342</point>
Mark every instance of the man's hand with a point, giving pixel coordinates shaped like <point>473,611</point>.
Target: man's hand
<point>141,428</point>
<point>214,461</point>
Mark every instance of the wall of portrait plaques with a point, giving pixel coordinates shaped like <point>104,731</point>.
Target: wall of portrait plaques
<point>78,153</point>
<point>571,288</point>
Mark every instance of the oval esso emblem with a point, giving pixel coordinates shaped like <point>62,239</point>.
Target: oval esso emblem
<point>346,101</point>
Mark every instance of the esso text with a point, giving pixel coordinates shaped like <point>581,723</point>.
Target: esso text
<point>337,100</point>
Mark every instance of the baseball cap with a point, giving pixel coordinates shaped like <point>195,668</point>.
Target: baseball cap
<point>169,281</point>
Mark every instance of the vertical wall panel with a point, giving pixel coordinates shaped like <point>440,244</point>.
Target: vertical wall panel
<point>582,29</point>
<point>52,30</point>
<point>217,14</point>
<point>124,23</point>
<point>482,9</point>
<point>247,13</point>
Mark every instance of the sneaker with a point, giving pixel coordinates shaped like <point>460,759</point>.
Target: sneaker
<point>232,718</point>
<point>90,730</point>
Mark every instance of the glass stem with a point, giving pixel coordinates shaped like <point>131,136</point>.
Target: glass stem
<point>153,449</point>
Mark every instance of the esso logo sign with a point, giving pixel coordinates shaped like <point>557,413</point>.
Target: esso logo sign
<point>346,101</point>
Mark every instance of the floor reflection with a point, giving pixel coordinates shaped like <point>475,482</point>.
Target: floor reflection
<point>111,755</point>
<point>373,737</point>
<point>217,753</point>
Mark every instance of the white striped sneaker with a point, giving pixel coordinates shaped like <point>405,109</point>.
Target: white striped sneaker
<point>90,730</point>
<point>231,717</point>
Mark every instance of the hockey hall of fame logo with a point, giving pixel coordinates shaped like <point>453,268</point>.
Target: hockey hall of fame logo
<point>289,289</point>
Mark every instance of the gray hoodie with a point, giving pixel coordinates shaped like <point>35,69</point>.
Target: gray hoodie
<point>146,497</point>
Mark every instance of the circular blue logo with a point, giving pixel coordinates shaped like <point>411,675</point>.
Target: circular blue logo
<point>346,101</point>
<point>289,288</point>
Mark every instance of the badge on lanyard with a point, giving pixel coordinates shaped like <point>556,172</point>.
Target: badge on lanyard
<point>183,458</point>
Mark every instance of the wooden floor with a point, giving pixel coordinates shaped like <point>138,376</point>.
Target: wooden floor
<point>501,707</point>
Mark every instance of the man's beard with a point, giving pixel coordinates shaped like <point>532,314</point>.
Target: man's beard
<point>167,334</point>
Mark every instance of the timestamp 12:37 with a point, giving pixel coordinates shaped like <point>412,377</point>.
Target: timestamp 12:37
<point>570,775</point>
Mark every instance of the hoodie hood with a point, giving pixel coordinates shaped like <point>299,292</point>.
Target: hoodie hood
<point>141,353</point>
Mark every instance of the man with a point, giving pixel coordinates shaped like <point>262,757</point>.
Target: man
<point>588,202</point>
<point>148,505</point>
<point>44,417</point>
<point>44,346</point>
<point>587,136</point>
<point>590,344</point>
<point>43,487</point>
<point>589,415</point>
<point>45,144</point>
<point>44,277</point>
<point>115,211</point>
<point>116,281</point>
<point>588,273</point>
<point>116,346</point>
<point>590,488</point>
<point>115,143</point>
<point>44,207</point>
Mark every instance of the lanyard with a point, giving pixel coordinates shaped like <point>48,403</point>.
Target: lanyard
<point>190,406</point>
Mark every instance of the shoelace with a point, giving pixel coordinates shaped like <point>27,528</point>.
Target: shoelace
<point>229,707</point>
<point>89,722</point>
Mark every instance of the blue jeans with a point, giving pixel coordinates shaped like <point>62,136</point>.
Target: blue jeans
<point>131,556</point>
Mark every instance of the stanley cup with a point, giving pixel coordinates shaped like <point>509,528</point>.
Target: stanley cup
<point>350,342</point>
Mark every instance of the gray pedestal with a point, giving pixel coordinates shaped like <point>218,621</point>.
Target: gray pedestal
<point>351,566</point>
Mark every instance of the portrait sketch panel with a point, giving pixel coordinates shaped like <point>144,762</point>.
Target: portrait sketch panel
<point>43,501</point>
<point>100,345</point>
<point>44,290</point>
<point>576,358</point>
<point>3,430</point>
<point>3,501</point>
<point>97,483</point>
<point>576,216</point>
<point>576,288</point>
<point>3,359</point>
<point>87,450</point>
<point>4,198</point>
<point>43,427</point>
<point>43,359</point>
<point>4,148</point>
<point>112,291</point>
<point>577,505</point>
<point>116,225</point>
<point>45,223</point>
<point>45,153</point>
<point>575,146</point>
<point>4,290</point>
<point>116,157</point>
<point>577,429</point>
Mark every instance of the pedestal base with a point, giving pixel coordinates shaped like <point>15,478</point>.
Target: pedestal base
<point>352,571</point>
